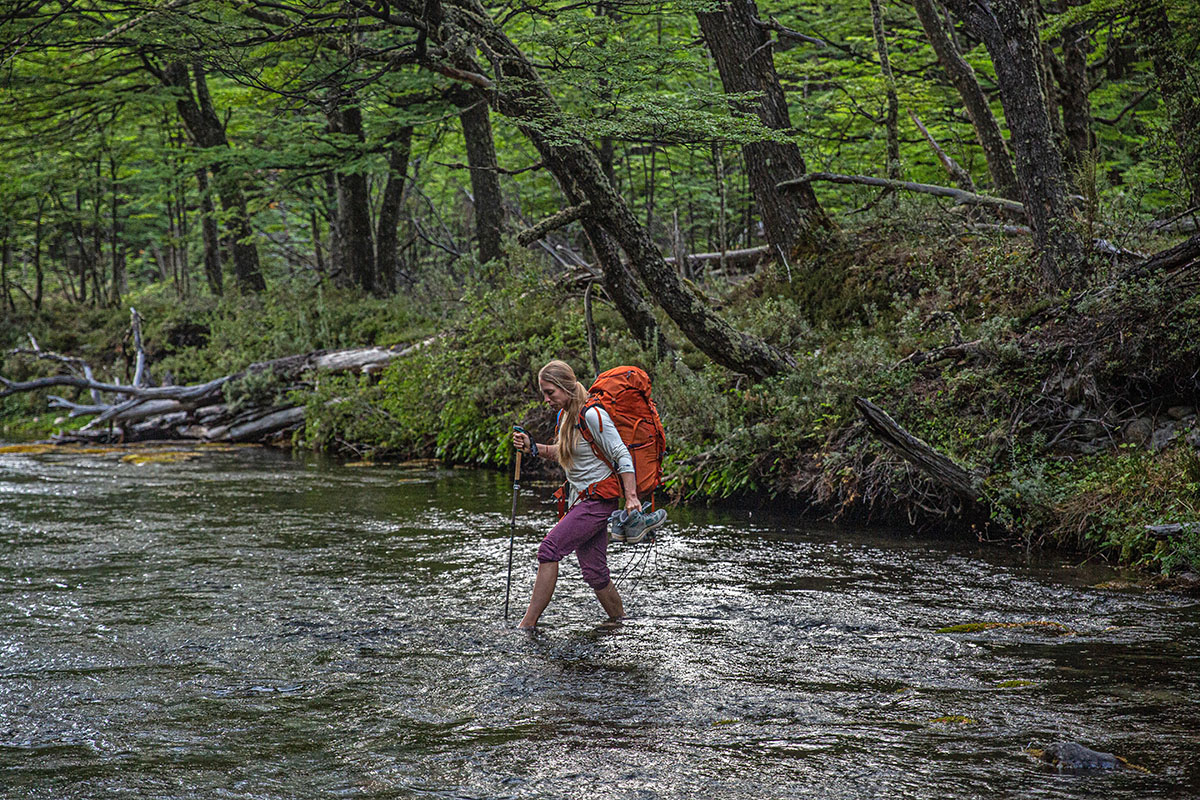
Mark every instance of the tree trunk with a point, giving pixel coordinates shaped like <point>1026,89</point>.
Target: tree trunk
<point>987,131</point>
<point>1179,84</point>
<point>387,228</point>
<point>1074,87</point>
<point>485,178</point>
<point>1009,31</point>
<point>621,287</point>
<point>337,270</point>
<point>206,130</point>
<point>314,226</point>
<point>209,235</point>
<point>355,236</point>
<point>38,276</point>
<point>743,53</point>
<point>116,252</point>
<point>892,119</point>
<point>5,267</point>
<point>520,94</point>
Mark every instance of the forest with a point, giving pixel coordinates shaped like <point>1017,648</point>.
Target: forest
<point>932,261</point>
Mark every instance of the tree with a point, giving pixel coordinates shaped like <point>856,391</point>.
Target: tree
<point>960,74</point>
<point>1008,28</point>
<point>207,132</point>
<point>486,198</point>
<point>519,93</point>
<point>742,50</point>
<point>1172,47</point>
<point>354,238</point>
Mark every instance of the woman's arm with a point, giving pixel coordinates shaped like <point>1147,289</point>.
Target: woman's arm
<point>524,442</point>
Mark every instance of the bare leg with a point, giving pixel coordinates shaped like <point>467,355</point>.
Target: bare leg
<point>543,590</point>
<point>611,601</point>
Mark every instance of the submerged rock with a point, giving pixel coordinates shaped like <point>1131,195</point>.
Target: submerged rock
<point>1072,756</point>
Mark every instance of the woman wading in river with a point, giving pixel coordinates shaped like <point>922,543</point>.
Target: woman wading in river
<point>584,528</point>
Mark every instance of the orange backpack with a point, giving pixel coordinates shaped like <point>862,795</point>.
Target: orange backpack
<point>624,392</point>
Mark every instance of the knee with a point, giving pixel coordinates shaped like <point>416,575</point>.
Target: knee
<point>548,552</point>
<point>595,576</point>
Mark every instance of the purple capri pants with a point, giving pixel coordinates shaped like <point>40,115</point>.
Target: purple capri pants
<point>583,530</point>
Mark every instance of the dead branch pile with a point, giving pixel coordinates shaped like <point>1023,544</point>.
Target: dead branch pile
<point>203,412</point>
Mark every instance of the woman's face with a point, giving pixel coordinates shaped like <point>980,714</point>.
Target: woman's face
<point>556,397</point>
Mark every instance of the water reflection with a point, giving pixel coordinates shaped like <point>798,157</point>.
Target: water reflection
<point>248,625</point>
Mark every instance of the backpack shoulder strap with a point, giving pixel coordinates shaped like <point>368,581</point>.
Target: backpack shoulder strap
<point>586,432</point>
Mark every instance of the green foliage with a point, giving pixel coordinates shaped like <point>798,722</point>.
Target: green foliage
<point>458,398</point>
<point>1106,502</point>
<point>205,339</point>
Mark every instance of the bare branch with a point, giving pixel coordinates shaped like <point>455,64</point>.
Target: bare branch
<point>960,175</point>
<point>788,33</point>
<point>960,195</point>
<point>553,222</point>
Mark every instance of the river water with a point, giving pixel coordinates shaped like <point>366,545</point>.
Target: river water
<point>245,624</point>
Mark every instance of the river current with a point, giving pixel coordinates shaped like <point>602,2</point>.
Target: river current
<point>248,624</point>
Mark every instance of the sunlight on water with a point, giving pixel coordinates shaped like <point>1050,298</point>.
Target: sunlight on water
<point>248,625</point>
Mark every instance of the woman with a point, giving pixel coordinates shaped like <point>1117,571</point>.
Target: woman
<point>584,529</point>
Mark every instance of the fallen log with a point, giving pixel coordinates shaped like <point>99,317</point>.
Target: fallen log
<point>740,260</point>
<point>266,425</point>
<point>198,412</point>
<point>1184,254</point>
<point>956,350</point>
<point>941,468</point>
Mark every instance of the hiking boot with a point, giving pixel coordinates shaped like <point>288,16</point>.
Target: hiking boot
<point>639,524</point>
<point>616,525</point>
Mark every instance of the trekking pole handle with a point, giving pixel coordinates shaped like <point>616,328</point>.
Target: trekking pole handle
<point>517,474</point>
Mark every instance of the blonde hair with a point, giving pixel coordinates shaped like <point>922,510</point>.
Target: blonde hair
<point>560,374</point>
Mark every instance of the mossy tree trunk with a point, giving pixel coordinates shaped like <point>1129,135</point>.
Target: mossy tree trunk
<point>355,237</point>
<point>519,93</point>
<point>487,200</point>
<point>391,205</point>
<point>209,235</point>
<point>207,132</point>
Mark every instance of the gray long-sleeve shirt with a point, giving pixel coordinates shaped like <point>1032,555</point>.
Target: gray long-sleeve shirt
<point>586,467</point>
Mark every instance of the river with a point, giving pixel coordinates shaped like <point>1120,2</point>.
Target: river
<point>249,624</point>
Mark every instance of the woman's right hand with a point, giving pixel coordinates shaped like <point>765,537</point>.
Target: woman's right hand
<point>521,441</point>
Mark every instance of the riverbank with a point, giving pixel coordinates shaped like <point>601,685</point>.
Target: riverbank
<point>1075,414</point>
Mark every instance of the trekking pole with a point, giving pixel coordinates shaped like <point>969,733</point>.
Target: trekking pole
<point>512,527</point>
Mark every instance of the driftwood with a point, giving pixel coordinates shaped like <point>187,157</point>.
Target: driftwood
<point>1172,529</point>
<point>965,483</point>
<point>200,411</point>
